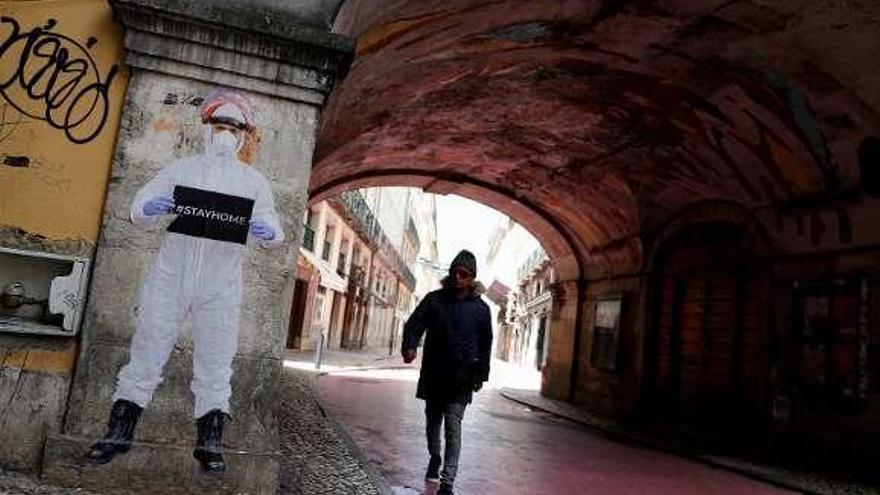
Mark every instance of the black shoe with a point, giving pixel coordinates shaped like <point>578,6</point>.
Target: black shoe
<point>120,430</point>
<point>207,451</point>
<point>445,489</point>
<point>433,472</point>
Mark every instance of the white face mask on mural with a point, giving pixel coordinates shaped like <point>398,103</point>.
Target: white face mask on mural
<point>222,143</point>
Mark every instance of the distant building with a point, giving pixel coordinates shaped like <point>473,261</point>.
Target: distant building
<point>356,273</point>
<point>522,278</point>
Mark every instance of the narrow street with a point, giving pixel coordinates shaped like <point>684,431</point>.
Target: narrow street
<point>508,448</point>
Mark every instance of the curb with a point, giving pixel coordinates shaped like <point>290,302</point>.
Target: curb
<point>363,368</point>
<point>756,473</point>
<point>380,482</point>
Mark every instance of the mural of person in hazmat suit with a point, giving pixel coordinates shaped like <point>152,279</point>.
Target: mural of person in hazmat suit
<point>196,275</point>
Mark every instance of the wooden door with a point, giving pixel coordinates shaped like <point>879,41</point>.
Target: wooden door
<point>707,349</point>
<point>297,314</point>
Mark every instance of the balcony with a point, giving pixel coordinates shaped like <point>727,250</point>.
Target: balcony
<point>360,214</point>
<point>353,206</point>
<point>534,262</point>
<point>308,238</point>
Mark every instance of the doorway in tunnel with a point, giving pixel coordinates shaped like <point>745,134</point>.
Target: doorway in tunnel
<point>709,356</point>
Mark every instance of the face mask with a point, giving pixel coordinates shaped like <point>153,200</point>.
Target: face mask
<point>222,144</point>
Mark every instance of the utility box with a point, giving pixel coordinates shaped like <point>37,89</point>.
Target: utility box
<point>42,293</point>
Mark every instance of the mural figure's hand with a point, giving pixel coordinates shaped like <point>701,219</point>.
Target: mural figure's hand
<point>160,205</point>
<point>262,230</point>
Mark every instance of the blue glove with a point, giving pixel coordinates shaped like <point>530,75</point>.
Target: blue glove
<point>160,205</point>
<point>262,230</point>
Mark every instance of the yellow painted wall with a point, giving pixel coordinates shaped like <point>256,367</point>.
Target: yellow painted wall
<point>60,192</point>
<point>40,360</point>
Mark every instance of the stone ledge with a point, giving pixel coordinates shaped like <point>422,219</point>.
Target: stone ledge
<point>208,24</point>
<point>271,70</point>
<point>157,468</point>
<point>225,78</point>
<point>280,18</point>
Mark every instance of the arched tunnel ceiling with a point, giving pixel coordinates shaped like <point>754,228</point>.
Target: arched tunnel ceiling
<point>608,116</point>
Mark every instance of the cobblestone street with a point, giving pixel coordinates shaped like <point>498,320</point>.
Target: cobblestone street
<point>316,458</point>
<point>509,449</point>
<point>20,484</point>
<point>363,435</point>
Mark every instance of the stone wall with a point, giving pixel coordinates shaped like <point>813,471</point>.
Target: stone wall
<point>53,177</point>
<point>176,62</point>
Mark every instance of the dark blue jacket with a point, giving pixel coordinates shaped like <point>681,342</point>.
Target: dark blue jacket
<point>458,345</point>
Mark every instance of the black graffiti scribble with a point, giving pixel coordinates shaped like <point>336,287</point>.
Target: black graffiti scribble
<point>187,99</point>
<point>57,75</point>
<point>16,161</point>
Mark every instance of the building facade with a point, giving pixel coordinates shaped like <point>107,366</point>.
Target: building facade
<point>356,284</point>
<point>521,291</point>
<point>525,333</point>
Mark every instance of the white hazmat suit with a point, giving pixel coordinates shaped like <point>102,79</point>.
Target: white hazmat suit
<point>197,276</point>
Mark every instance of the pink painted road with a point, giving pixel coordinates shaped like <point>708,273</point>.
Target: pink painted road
<point>509,449</point>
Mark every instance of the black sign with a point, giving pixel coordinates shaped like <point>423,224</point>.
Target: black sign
<point>211,215</point>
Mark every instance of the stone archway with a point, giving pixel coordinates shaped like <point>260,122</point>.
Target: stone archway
<point>556,241</point>
<point>606,136</point>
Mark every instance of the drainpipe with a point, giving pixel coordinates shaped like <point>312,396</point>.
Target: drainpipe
<point>394,317</point>
<point>367,298</point>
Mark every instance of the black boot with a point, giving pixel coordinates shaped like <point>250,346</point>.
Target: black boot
<point>210,430</point>
<point>120,430</point>
<point>432,475</point>
<point>445,489</point>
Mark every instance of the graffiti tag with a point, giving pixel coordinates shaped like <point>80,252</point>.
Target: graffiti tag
<point>185,99</point>
<point>16,161</point>
<point>53,78</point>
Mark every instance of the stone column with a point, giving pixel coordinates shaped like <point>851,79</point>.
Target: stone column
<point>562,332</point>
<point>178,51</point>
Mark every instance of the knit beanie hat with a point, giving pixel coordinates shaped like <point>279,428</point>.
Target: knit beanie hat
<point>466,260</point>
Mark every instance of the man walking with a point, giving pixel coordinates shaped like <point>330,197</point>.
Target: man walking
<point>458,347</point>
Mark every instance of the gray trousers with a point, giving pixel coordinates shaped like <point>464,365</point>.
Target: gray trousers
<point>436,414</point>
